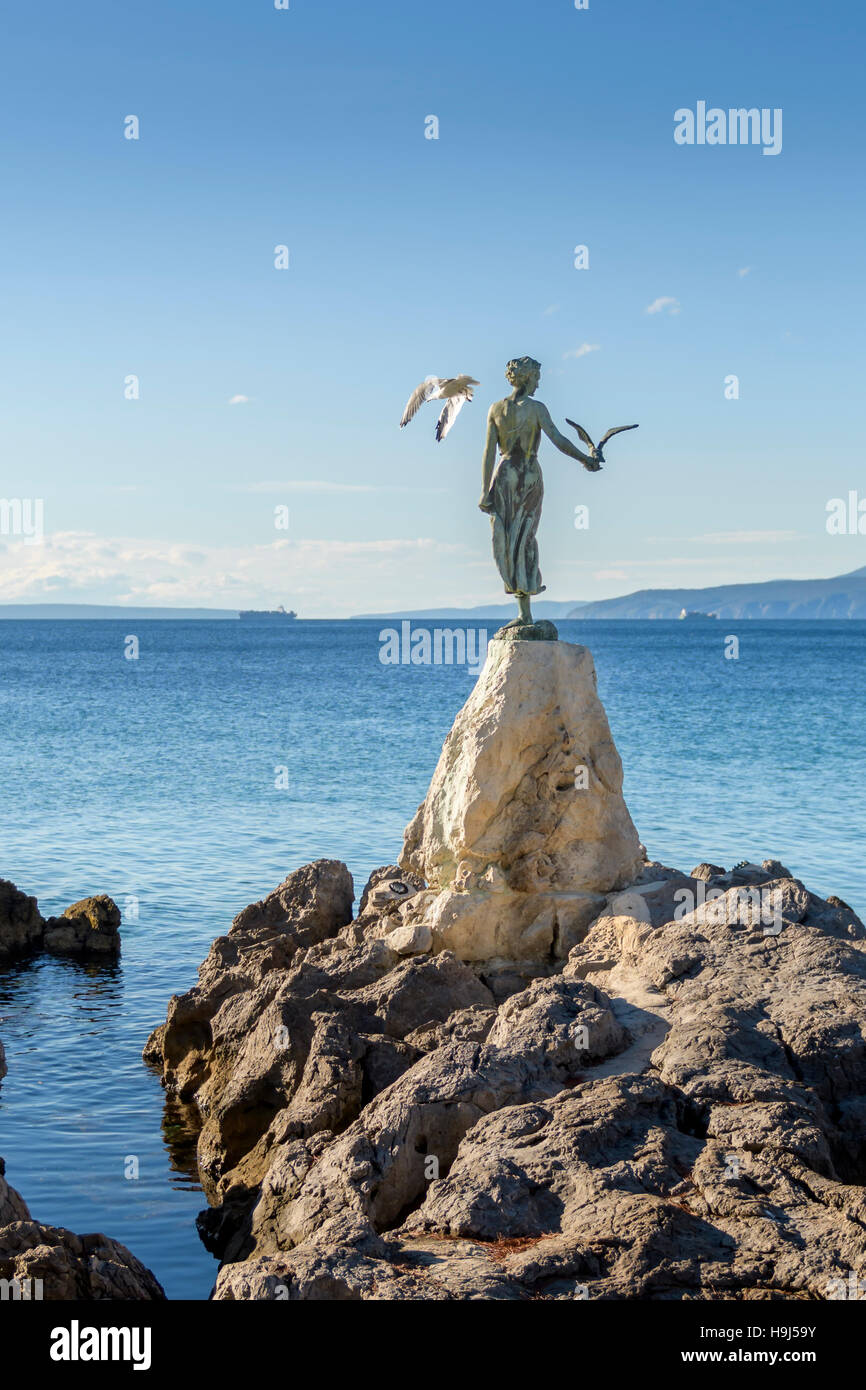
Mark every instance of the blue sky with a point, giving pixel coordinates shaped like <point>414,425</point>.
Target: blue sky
<point>412,256</point>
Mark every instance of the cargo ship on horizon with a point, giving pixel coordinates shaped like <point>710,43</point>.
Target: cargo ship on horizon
<point>263,615</point>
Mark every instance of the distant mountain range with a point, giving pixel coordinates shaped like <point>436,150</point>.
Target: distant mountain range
<point>544,609</point>
<point>495,611</point>
<point>844,597</point>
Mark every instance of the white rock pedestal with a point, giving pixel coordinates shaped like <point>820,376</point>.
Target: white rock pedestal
<point>524,828</point>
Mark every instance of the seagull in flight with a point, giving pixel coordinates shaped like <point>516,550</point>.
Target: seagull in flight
<point>598,450</point>
<point>453,390</point>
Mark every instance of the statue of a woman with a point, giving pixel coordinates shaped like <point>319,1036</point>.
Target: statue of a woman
<point>512,492</point>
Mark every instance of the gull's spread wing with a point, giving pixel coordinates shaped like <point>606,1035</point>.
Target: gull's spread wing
<point>582,432</point>
<point>618,429</point>
<point>425,392</point>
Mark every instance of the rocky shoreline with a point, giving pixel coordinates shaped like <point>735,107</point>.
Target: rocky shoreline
<point>676,1110</point>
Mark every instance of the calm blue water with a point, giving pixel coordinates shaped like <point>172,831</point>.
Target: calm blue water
<point>154,780</point>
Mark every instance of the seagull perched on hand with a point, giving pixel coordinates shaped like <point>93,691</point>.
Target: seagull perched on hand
<point>453,390</point>
<point>597,450</point>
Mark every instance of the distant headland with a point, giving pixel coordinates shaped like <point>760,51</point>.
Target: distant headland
<point>841,597</point>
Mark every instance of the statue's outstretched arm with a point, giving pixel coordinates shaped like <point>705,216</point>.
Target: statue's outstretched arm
<point>489,461</point>
<point>564,445</point>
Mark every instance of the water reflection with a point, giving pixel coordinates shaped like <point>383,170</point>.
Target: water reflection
<point>181,1126</point>
<point>78,1103</point>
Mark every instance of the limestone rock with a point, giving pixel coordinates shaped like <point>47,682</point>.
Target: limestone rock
<point>676,1111</point>
<point>417,992</point>
<point>562,1024</point>
<point>466,1025</point>
<point>88,927</point>
<point>506,977</point>
<point>298,1020</point>
<point>707,871</point>
<point>524,824</point>
<point>69,1267</point>
<point>386,891</point>
<point>20,921</point>
<point>504,792</point>
<point>410,940</point>
<point>12,1204</point>
<point>308,906</point>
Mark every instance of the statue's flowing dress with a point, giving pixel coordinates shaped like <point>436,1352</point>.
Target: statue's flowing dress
<point>516,491</point>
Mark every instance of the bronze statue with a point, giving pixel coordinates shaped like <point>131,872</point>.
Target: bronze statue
<point>512,491</point>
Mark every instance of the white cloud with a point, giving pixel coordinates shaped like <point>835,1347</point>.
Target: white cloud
<point>610,574</point>
<point>583,350</point>
<point>665,302</point>
<point>552,309</point>
<point>239,400</point>
<point>745,270</point>
<point>334,577</point>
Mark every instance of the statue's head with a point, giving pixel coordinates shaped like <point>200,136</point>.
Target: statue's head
<point>524,373</point>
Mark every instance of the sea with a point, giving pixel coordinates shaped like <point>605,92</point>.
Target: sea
<point>188,771</point>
